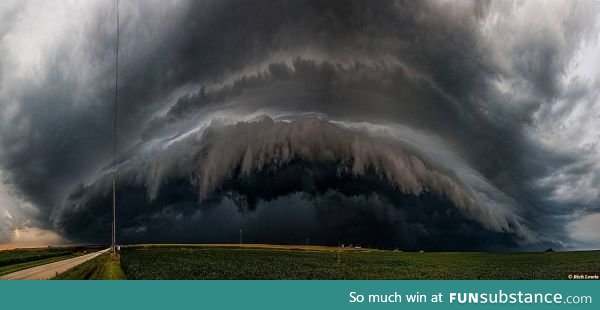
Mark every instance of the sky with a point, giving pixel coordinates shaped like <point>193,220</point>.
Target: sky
<point>434,125</point>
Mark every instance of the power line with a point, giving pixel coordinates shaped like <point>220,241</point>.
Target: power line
<point>114,179</point>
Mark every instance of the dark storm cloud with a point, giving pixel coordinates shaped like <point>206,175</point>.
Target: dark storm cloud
<point>402,221</point>
<point>257,162</point>
<point>485,77</point>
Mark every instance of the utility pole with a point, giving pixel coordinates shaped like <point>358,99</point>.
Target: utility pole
<point>114,172</point>
<point>240,237</point>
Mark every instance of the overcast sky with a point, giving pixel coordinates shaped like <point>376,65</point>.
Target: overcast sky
<point>419,124</point>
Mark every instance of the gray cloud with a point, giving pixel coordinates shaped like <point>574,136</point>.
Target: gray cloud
<point>255,146</point>
<point>262,161</point>
<point>505,88</point>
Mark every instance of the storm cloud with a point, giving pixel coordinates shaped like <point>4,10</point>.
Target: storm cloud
<point>385,122</point>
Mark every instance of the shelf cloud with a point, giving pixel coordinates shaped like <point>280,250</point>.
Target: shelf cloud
<point>423,125</point>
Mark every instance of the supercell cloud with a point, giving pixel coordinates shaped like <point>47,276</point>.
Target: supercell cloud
<point>434,125</point>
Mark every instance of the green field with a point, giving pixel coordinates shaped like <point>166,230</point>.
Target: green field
<point>182,262</point>
<point>103,267</point>
<point>18,259</point>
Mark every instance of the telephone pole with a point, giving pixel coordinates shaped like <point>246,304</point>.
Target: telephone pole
<point>114,172</point>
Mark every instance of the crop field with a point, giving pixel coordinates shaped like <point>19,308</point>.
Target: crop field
<point>14,260</point>
<point>19,259</point>
<point>205,262</point>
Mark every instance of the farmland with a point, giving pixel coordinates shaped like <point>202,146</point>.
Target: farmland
<point>214,262</point>
<point>18,259</point>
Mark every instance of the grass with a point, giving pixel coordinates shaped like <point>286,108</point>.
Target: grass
<point>19,259</point>
<point>17,256</point>
<point>103,267</point>
<point>204,262</point>
<point>16,267</point>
